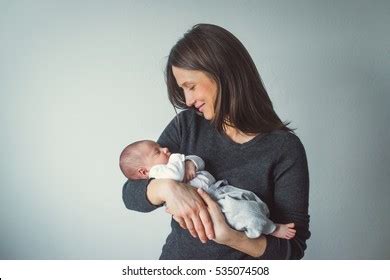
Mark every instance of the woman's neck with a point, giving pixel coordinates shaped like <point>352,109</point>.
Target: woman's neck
<point>237,135</point>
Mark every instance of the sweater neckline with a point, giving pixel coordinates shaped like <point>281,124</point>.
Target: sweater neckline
<point>226,140</point>
<point>229,142</point>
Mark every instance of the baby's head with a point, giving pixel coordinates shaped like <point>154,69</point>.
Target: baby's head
<point>137,158</point>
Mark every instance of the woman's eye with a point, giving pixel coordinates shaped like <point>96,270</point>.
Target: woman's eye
<point>192,88</point>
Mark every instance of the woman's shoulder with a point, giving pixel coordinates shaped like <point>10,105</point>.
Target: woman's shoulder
<point>285,136</point>
<point>288,142</point>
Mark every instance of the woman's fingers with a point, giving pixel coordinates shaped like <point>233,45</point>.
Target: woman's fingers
<point>207,199</point>
<point>207,223</point>
<point>199,228</point>
<point>190,226</point>
<point>180,222</point>
<point>205,215</point>
<point>190,210</point>
<point>223,233</point>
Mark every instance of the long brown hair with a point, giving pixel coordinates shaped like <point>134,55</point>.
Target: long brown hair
<point>242,100</point>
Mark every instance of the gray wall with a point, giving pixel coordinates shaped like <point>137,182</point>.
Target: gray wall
<point>81,79</point>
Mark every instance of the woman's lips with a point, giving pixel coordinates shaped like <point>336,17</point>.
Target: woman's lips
<point>200,109</point>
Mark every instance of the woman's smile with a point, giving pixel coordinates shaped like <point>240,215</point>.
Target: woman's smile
<point>200,108</point>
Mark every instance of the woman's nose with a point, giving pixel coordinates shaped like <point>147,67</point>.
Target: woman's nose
<point>190,100</point>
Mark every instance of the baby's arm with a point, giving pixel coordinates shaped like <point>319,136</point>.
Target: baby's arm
<point>199,163</point>
<point>174,169</point>
<point>190,171</point>
<point>192,164</point>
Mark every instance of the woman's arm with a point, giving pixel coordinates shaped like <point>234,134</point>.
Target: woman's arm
<point>134,191</point>
<point>182,201</point>
<point>134,196</point>
<point>185,205</point>
<point>291,200</point>
<point>291,190</point>
<point>225,235</point>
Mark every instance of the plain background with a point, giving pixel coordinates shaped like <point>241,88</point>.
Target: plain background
<point>79,80</point>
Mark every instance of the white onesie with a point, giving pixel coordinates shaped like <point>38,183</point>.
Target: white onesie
<point>243,210</point>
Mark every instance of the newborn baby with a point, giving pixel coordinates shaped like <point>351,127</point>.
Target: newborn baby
<point>243,210</point>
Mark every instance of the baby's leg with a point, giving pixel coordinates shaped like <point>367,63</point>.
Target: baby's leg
<point>285,231</point>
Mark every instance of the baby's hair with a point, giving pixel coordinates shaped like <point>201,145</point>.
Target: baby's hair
<point>130,159</point>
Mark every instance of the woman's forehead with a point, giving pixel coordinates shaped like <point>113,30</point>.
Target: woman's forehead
<point>184,76</point>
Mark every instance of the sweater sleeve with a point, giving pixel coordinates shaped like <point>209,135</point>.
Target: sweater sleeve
<point>291,200</point>
<point>134,191</point>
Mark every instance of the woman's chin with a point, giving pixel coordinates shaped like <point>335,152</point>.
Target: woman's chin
<point>207,117</point>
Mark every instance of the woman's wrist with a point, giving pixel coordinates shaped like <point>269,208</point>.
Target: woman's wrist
<point>254,247</point>
<point>154,191</point>
<point>235,238</point>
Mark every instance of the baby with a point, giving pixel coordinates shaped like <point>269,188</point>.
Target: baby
<point>243,210</point>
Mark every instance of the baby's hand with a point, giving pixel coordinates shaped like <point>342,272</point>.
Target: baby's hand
<point>190,170</point>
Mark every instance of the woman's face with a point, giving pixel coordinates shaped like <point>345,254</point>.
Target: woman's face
<point>199,90</point>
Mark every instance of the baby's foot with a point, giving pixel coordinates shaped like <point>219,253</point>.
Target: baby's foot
<point>284,231</point>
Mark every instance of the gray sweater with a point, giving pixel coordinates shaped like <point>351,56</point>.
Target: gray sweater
<point>273,166</point>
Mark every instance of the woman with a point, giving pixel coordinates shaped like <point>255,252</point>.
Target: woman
<point>231,124</point>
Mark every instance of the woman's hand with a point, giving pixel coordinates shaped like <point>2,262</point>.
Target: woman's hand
<point>188,209</point>
<point>224,234</point>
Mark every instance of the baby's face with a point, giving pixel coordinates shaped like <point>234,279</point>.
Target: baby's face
<point>155,154</point>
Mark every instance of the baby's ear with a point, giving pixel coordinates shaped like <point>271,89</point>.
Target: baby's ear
<point>143,172</point>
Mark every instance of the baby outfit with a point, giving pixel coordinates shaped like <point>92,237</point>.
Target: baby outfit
<point>243,210</point>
